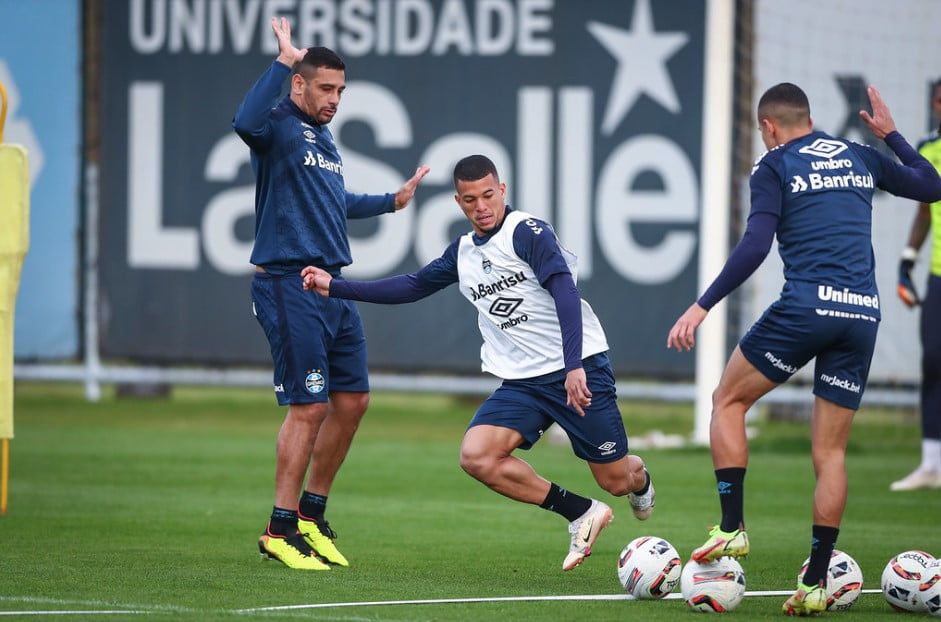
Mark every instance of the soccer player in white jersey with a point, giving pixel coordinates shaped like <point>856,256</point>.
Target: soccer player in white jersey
<point>542,339</point>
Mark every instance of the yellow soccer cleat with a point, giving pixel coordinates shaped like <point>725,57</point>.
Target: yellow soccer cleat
<point>722,544</point>
<point>806,601</point>
<point>292,551</point>
<point>320,537</point>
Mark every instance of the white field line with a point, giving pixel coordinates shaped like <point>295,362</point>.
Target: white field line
<point>104,607</point>
<point>89,612</point>
<point>447,601</point>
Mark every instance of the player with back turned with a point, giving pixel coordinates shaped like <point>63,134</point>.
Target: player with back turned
<point>814,193</point>
<point>318,346</point>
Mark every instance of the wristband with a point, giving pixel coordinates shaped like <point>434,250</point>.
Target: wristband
<point>910,253</point>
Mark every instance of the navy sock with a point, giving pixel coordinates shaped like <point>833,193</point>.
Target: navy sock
<point>283,522</point>
<point>822,543</point>
<point>731,484</point>
<point>313,506</point>
<point>564,502</point>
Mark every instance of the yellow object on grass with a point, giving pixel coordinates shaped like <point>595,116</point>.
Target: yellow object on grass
<point>14,242</point>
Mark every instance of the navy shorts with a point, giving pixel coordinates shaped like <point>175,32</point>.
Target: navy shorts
<point>531,406</point>
<point>785,338</point>
<point>317,344</point>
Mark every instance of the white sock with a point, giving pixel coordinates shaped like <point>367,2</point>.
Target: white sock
<point>931,454</point>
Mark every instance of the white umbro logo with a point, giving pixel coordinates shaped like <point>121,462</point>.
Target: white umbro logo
<point>824,148</point>
<point>607,448</point>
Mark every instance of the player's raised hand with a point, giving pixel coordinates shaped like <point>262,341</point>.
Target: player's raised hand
<point>287,53</point>
<point>316,280</point>
<point>576,390</point>
<point>683,334</point>
<point>880,121</point>
<point>407,191</point>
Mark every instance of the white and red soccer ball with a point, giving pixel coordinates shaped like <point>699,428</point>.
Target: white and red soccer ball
<point>903,578</point>
<point>649,567</point>
<point>714,587</point>
<point>844,580</point>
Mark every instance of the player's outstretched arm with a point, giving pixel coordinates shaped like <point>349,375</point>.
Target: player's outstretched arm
<point>287,53</point>
<point>880,121</point>
<point>683,334</point>
<point>407,191</point>
<point>316,280</point>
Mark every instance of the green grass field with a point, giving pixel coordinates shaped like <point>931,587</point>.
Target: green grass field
<point>155,505</point>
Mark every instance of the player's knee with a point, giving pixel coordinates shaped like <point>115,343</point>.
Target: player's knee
<point>477,463</point>
<point>617,484</point>
<point>308,413</point>
<point>828,457</point>
<point>354,406</point>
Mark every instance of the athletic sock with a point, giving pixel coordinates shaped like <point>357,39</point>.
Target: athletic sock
<point>731,486</point>
<point>313,506</point>
<point>283,522</point>
<point>931,454</point>
<point>643,491</point>
<point>822,544</point>
<point>564,502</point>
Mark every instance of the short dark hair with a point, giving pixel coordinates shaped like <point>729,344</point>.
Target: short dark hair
<point>474,167</point>
<point>318,57</point>
<point>785,103</point>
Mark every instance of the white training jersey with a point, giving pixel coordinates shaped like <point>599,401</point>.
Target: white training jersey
<point>515,314</point>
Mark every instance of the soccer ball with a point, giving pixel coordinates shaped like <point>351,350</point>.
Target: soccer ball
<point>929,590</point>
<point>901,580</point>
<point>844,580</point>
<point>713,587</point>
<point>649,567</point>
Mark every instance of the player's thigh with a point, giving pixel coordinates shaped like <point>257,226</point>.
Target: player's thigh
<point>599,437</point>
<point>347,349</point>
<point>842,368</point>
<point>293,323</point>
<point>782,341</point>
<point>741,382</point>
<point>513,407</point>
<point>486,442</point>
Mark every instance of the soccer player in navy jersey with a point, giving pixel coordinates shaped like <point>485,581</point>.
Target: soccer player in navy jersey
<point>542,339</point>
<point>814,192</point>
<point>318,345</point>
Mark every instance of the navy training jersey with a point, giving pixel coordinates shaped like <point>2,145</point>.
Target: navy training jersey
<point>301,202</point>
<point>821,188</point>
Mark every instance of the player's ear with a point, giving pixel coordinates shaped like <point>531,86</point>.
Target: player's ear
<point>297,83</point>
<point>503,188</point>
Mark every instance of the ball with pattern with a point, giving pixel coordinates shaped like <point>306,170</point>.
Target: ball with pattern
<point>901,580</point>
<point>929,590</point>
<point>714,587</point>
<point>844,580</point>
<point>649,567</point>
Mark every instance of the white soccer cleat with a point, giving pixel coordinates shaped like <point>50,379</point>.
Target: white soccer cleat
<point>584,531</point>
<point>918,479</point>
<point>642,505</point>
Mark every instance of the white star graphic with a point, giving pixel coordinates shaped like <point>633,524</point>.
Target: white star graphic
<point>641,54</point>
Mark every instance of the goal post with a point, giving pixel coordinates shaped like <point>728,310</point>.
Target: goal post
<point>715,195</point>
